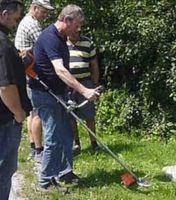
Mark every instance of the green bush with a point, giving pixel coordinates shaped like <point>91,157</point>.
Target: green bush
<point>140,54</point>
<point>118,111</point>
<point>136,40</point>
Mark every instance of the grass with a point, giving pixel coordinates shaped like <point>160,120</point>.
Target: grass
<point>101,174</point>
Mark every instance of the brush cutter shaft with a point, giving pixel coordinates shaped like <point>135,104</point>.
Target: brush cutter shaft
<point>72,105</point>
<point>104,145</point>
<point>141,182</point>
<point>85,126</point>
<point>88,129</point>
<point>69,109</point>
<point>82,104</point>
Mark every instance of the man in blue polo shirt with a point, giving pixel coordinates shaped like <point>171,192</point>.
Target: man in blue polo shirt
<point>52,64</point>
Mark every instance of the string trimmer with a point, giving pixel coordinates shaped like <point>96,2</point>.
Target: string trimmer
<point>128,178</point>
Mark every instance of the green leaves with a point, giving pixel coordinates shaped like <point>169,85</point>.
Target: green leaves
<point>137,44</point>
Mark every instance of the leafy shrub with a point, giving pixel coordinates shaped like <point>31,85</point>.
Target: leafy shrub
<point>118,111</point>
<point>136,40</point>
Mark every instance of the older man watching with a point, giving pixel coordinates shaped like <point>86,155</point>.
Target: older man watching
<point>27,34</point>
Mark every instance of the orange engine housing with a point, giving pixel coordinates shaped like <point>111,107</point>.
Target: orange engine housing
<point>128,179</point>
<point>29,62</point>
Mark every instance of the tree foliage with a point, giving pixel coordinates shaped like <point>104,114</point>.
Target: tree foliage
<point>137,45</point>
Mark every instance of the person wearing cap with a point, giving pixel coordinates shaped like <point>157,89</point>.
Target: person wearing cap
<point>52,67</point>
<point>27,33</point>
<point>44,3</point>
<point>14,102</point>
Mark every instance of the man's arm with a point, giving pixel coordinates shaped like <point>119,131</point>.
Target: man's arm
<point>70,80</point>
<point>95,74</point>
<point>10,97</point>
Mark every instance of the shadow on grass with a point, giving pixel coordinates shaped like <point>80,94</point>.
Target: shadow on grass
<point>162,178</point>
<point>114,148</point>
<point>103,178</point>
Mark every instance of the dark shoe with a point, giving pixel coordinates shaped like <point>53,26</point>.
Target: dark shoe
<point>70,178</point>
<point>51,187</point>
<point>58,186</point>
<point>95,146</point>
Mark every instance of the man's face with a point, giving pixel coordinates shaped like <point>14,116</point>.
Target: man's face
<point>41,13</point>
<point>74,37</point>
<point>74,27</point>
<point>12,18</point>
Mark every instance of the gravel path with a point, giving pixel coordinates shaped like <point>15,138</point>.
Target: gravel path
<point>17,182</point>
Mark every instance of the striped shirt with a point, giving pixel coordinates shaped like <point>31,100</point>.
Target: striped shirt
<point>81,53</point>
<point>27,33</point>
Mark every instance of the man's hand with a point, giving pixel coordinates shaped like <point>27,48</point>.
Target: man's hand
<point>91,94</point>
<point>11,98</point>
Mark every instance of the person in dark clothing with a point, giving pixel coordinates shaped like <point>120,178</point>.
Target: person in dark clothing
<point>14,103</point>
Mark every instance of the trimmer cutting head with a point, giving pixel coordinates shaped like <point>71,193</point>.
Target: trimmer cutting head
<point>143,183</point>
<point>128,179</point>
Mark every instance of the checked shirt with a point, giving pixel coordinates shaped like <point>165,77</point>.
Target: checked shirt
<point>27,33</point>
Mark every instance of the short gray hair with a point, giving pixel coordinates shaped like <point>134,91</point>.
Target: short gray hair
<point>71,11</point>
<point>11,5</point>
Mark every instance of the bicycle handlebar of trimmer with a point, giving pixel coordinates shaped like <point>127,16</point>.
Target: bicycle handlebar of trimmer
<point>72,104</point>
<point>29,62</point>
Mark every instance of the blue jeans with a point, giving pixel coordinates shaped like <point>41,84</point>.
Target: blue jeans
<point>10,137</point>
<point>58,137</point>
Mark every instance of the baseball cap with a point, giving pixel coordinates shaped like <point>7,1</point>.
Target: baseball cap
<point>44,3</point>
